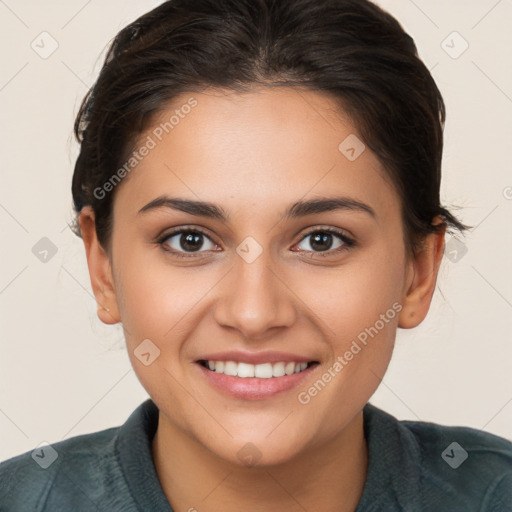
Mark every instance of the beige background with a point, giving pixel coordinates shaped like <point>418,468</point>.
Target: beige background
<point>64,373</point>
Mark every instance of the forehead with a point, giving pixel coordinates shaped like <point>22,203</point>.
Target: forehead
<point>268,146</point>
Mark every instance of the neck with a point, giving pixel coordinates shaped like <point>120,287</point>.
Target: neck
<point>328,477</point>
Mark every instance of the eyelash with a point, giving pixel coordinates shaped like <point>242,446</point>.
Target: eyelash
<point>348,243</point>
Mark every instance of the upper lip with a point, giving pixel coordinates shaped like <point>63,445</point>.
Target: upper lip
<point>256,357</point>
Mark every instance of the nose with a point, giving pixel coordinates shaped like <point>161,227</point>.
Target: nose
<point>255,299</point>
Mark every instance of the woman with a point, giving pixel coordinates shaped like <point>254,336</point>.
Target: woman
<point>257,190</point>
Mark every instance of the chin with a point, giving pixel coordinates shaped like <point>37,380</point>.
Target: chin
<point>259,452</point>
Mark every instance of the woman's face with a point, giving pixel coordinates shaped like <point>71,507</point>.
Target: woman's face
<point>273,281</point>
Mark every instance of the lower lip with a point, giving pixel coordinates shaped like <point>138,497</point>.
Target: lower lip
<point>252,388</point>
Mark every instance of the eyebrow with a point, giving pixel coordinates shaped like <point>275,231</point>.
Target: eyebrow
<point>296,210</point>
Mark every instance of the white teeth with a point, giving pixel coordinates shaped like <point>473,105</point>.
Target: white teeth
<point>278,370</point>
<point>261,371</point>
<point>289,368</point>
<point>300,367</point>
<point>245,370</point>
<point>230,368</point>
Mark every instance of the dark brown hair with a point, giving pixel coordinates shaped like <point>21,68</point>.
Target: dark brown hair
<point>350,49</point>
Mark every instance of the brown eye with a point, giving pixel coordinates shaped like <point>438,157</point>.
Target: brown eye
<point>326,240</point>
<point>188,241</point>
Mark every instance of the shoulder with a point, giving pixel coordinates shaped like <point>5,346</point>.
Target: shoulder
<point>464,461</point>
<point>460,467</point>
<point>107,470</point>
<point>58,473</point>
<point>457,447</point>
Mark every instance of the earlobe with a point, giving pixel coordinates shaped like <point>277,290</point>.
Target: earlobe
<point>420,286</point>
<point>100,269</point>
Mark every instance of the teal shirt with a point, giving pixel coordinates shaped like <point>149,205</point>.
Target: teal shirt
<point>413,466</point>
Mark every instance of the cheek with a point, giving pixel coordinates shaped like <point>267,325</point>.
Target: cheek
<point>353,297</point>
<point>361,318</point>
<point>359,307</point>
<point>156,298</point>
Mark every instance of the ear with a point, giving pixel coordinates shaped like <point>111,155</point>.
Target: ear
<point>100,269</point>
<point>421,279</point>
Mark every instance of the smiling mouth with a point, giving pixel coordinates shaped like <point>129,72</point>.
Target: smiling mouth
<point>261,371</point>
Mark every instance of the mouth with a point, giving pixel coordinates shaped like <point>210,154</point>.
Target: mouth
<point>260,381</point>
<point>259,371</point>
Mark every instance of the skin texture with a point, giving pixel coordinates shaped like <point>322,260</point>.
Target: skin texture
<point>254,154</point>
